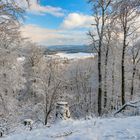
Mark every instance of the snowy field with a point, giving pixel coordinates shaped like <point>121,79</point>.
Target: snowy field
<point>95,129</point>
<point>79,55</point>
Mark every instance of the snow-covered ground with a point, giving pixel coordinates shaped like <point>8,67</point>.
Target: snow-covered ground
<point>79,55</point>
<point>94,129</point>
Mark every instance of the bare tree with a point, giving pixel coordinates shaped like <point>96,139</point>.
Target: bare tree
<point>100,13</point>
<point>135,51</point>
<point>126,12</point>
<point>107,45</point>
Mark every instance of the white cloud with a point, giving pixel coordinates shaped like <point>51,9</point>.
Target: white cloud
<point>54,37</point>
<point>55,11</point>
<point>76,20</point>
<point>36,8</point>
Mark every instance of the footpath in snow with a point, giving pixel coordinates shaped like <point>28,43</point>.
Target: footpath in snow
<point>94,129</point>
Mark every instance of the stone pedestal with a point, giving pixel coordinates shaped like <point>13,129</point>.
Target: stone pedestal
<point>28,123</point>
<point>62,111</point>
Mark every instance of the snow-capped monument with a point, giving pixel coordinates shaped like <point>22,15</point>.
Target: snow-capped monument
<point>62,111</point>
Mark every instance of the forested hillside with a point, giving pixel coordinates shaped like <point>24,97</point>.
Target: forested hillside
<point>32,83</point>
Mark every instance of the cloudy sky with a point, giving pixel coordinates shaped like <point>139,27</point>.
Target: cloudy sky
<point>58,22</point>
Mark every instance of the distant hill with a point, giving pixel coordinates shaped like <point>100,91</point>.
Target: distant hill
<point>69,49</point>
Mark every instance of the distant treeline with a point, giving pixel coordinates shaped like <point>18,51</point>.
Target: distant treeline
<point>69,49</point>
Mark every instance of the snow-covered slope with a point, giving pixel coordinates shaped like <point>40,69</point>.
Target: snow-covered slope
<point>94,129</point>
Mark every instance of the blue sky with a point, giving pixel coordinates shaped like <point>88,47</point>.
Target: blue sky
<point>58,22</point>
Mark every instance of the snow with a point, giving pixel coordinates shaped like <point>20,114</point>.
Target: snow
<point>75,55</point>
<point>21,59</point>
<point>28,121</point>
<point>62,103</point>
<point>94,129</point>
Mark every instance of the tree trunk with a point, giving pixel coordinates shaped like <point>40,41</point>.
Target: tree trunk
<point>105,78</point>
<point>123,78</point>
<point>113,82</point>
<point>99,82</point>
<point>123,68</point>
<point>132,82</point>
<point>46,120</point>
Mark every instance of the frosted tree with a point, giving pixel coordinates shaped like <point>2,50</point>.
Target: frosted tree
<point>135,53</point>
<point>126,12</point>
<point>101,10</point>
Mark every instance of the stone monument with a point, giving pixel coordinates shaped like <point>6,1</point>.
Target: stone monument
<point>62,111</point>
